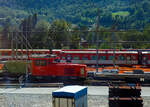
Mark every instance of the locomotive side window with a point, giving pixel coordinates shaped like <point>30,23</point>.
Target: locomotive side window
<point>40,62</point>
<point>93,57</point>
<point>75,58</point>
<point>85,58</point>
<point>121,58</point>
<point>102,57</point>
<point>110,57</point>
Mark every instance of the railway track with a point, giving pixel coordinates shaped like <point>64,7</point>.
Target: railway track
<point>96,80</point>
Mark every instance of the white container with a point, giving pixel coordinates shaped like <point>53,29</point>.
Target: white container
<point>70,96</point>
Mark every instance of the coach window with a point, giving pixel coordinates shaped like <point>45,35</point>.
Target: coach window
<point>128,58</point>
<point>102,57</point>
<point>63,57</point>
<point>145,58</point>
<point>19,53</point>
<point>134,57</point>
<point>68,57</point>
<point>75,58</point>
<point>110,57</point>
<point>84,57</point>
<point>5,53</point>
<point>93,57</point>
<point>121,58</point>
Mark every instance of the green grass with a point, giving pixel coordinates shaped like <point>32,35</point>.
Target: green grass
<point>121,13</point>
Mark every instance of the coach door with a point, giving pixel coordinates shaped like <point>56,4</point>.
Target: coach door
<point>145,60</point>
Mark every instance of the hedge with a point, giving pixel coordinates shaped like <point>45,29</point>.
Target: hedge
<point>16,67</point>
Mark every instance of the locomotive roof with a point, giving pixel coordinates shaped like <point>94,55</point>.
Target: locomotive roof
<point>130,52</point>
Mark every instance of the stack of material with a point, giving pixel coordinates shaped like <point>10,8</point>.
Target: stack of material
<point>125,96</point>
<point>70,96</point>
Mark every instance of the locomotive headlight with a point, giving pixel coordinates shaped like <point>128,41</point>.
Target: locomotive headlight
<point>82,71</point>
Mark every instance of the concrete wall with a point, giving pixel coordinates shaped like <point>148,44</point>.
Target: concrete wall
<point>30,97</point>
<point>43,100</point>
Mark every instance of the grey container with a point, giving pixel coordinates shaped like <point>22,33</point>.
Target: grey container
<point>70,96</point>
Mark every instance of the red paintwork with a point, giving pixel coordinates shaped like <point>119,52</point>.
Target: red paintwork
<point>52,68</point>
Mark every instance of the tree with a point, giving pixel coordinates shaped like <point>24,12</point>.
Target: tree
<point>40,35</point>
<point>59,33</point>
<point>6,28</point>
<point>28,24</point>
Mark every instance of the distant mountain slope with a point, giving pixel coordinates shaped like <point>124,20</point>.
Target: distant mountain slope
<point>128,13</point>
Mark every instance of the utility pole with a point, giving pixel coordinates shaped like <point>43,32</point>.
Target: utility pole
<point>16,35</point>
<point>26,42</point>
<point>12,45</point>
<point>97,37</point>
<point>21,35</point>
<point>113,44</point>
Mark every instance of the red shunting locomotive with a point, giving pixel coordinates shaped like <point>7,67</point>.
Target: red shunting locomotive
<point>50,66</point>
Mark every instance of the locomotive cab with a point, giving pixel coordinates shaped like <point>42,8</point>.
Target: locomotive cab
<point>50,66</point>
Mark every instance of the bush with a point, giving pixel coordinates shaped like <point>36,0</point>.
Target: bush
<point>16,67</point>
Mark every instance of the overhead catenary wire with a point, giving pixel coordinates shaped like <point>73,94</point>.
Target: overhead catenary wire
<point>129,30</point>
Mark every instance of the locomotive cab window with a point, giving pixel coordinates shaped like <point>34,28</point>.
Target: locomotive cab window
<point>40,62</point>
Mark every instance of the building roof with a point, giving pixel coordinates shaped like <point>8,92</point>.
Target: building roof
<point>70,92</point>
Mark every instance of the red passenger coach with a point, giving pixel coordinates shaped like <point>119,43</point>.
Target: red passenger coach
<point>51,67</point>
<point>105,57</point>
